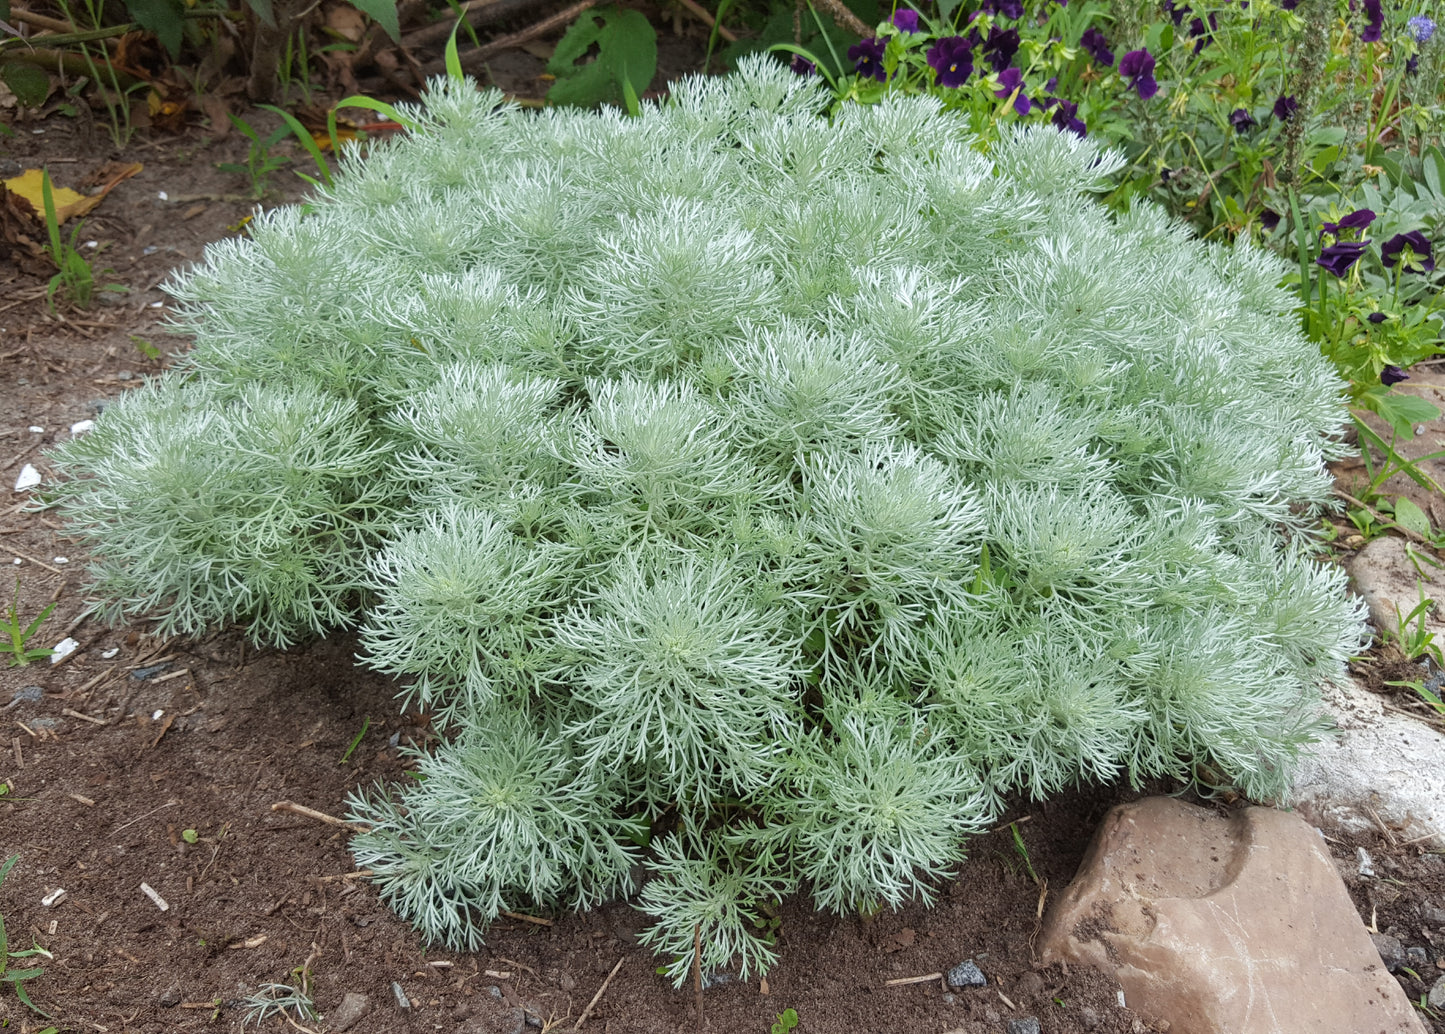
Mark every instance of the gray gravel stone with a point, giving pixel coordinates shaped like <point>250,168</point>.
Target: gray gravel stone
<point>170,997</point>
<point>712,980</point>
<point>26,695</point>
<point>142,674</point>
<point>1027,1025</point>
<point>402,1001</point>
<point>1088,1017</point>
<point>1417,958</point>
<point>966,974</point>
<point>346,1015</point>
<point>1390,949</point>
<point>1436,999</point>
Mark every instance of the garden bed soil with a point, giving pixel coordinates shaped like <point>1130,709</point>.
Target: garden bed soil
<point>159,763</point>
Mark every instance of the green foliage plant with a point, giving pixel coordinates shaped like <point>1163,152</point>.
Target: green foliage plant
<point>74,279</point>
<point>747,494</point>
<point>260,161</point>
<point>626,58</point>
<point>20,634</point>
<point>786,1021</point>
<point>16,977</point>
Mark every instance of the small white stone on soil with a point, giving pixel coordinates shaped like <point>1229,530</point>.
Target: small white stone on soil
<point>1437,995</point>
<point>402,1001</point>
<point>28,479</point>
<point>53,898</point>
<point>62,560</point>
<point>36,429</point>
<point>1121,1000</point>
<point>150,892</point>
<point>108,654</point>
<point>1367,864</point>
<point>156,715</point>
<point>81,426</point>
<point>62,649</point>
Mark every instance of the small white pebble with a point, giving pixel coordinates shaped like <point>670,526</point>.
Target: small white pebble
<point>149,892</point>
<point>1367,864</point>
<point>163,195</point>
<point>156,715</point>
<point>1121,1001</point>
<point>62,559</point>
<point>36,429</point>
<point>53,897</point>
<point>92,244</point>
<point>81,426</point>
<point>108,654</point>
<point>63,648</point>
<point>17,561</point>
<point>157,305</point>
<point>28,479</point>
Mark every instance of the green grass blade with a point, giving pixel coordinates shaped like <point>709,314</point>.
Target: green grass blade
<point>307,140</point>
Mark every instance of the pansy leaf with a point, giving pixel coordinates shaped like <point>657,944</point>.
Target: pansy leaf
<point>627,48</point>
<point>383,12</point>
<point>1411,517</point>
<point>30,85</point>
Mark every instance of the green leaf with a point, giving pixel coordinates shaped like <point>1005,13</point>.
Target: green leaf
<point>454,59</point>
<point>1401,411</point>
<point>627,52</point>
<point>383,12</point>
<point>162,17</point>
<point>1410,516</point>
<point>189,836</point>
<point>30,85</point>
<point>263,11</point>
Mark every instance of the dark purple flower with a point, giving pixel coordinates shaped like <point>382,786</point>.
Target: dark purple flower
<point>1066,119</point>
<point>1052,84</point>
<point>1357,220</point>
<point>1199,31</point>
<point>1377,317</point>
<point>1001,47</point>
<point>867,58</point>
<point>1004,8</point>
<point>1241,120</point>
<point>1137,67</point>
<point>1413,65</point>
<point>951,59</point>
<point>802,66</point>
<point>1376,15</point>
<point>1393,375</point>
<point>1009,80</point>
<point>1285,107</point>
<point>1098,47</point>
<point>1419,246</point>
<point>1178,13</point>
<point>906,19</point>
<point>1338,258</point>
<point>1268,218</point>
<point>1289,5</point>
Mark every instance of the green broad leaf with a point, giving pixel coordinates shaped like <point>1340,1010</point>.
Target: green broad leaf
<point>263,11</point>
<point>1401,411</point>
<point>30,85</point>
<point>1411,517</point>
<point>162,17</point>
<point>23,974</point>
<point>383,12</point>
<point>627,51</point>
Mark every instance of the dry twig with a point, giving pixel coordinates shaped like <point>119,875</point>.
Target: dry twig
<point>598,996</point>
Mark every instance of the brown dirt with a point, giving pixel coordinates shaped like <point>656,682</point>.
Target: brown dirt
<point>208,736</point>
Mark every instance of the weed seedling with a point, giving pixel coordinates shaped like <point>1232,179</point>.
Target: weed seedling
<point>74,274</point>
<point>787,1020</point>
<point>16,977</point>
<point>19,636</point>
<point>260,162</point>
<point>365,724</point>
<point>276,1000</point>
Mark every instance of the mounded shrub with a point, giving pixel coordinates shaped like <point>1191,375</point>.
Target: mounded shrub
<point>753,496</point>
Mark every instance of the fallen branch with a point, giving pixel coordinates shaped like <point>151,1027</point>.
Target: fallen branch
<point>40,21</point>
<point>598,996</point>
<point>319,816</point>
<point>927,978</point>
<point>524,918</point>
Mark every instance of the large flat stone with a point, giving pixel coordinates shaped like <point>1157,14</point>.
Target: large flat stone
<point>1391,584</point>
<point>1224,925</point>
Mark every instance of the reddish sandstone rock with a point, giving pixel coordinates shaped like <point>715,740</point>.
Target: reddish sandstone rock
<point>1224,925</point>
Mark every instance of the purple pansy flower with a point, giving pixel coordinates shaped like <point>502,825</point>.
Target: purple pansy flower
<point>867,58</point>
<point>1241,120</point>
<point>1009,80</point>
<point>1098,47</point>
<point>1004,8</point>
<point>1338,258</point>
<point>1001,47</point>
<point>1204,34</point>
<point>1376,317</point>
<point>1268,218</point>
<point>1419,246</point>
<point>1376,15</point>
<point>951,59</point>
<point>802,66</point>
<point>1289,5</point>
<point>1137,67</point>
<point>1393,375</point>
<point>1066,119</point>
<point>905,19</point>
<point>1356,220</point>
<point>1413,65</point>
<point>1177,13</point>
<point>1285,107</point>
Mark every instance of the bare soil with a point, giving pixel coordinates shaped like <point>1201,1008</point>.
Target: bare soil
<point>159,763</point>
